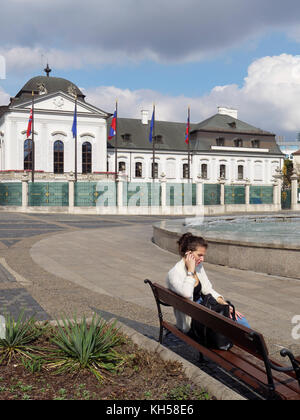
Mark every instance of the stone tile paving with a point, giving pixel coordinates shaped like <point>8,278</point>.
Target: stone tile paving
<point>48,295</point>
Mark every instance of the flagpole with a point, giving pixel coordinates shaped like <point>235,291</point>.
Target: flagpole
<point>189,154</point>
<point>32,140</point>
<point>76,140</point>
<point>153,145</point>
<point>116,144</point>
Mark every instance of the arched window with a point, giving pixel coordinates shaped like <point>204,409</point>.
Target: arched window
<point>138,169</point>
<point>240,172</point>
<point>86,158</point>
<point>58,158</point>
<point>185,170</point>
<point>171,169</point>
<point>122,167</point>
<point>155,169</point>
<point>204,170</point>
<point>28,154</point>
<point>238,142</point>
<point>222,171</point>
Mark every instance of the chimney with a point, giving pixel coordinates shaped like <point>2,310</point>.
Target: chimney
<point>228,111</point>
<point>145,117</point>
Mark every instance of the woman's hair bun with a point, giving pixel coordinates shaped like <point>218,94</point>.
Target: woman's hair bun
<point>189,242</point>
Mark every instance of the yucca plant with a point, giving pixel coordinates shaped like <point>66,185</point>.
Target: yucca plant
<point>19,337</point>
<point>83,346</point>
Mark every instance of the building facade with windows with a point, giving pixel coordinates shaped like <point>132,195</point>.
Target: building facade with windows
<point>220,147</point>
<point>54,105</point>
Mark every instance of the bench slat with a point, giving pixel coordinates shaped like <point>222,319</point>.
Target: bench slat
<point>286,391</point>
<point>286,378</point>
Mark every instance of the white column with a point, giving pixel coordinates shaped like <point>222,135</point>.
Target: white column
<point>25,180</point>
<point>163,183</point>
<point>247,192</point>
<point>120,193</point>
<point>71,181</point>
<point>199,191</point>
<point>294,192</point>
<point>222,197</point>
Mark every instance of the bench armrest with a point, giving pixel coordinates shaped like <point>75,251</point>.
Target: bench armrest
<point>295,364</point>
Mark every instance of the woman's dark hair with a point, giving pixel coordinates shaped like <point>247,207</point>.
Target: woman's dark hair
<point>189,242</point>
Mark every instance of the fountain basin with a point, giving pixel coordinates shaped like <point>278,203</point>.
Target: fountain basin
<point>262,243</point>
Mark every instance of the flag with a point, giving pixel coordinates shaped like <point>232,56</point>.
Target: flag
<point>113,127</point>
<point>74,126</point>
<point>187,131</point>
<point>152,126</point>
<point>29,124</point>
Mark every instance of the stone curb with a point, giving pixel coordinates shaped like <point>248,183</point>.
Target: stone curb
<point>197,376</point>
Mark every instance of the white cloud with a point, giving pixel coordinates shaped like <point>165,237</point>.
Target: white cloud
<point>4,97</point>
<point>269,98</point>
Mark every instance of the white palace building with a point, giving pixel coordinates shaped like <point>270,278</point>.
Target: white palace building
<point>222,146</point>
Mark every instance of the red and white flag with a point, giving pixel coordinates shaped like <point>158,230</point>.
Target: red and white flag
<point>29,124</point>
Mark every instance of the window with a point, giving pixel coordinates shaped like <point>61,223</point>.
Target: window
<point>256,144</point>
<point>86,158</point>
<point>28,154</point>
<point>138,169</point>
<point>158,139</point>
<point>126,137</point>
<point>222,171</point>
<point>185,170</point>
<point>122,167</point>
<point>220,141</point>
<point>155,169</point>
<point>171,169</point>
<point>58,161</point>
<point>240,172</point>
<point>258,171</point>
<point>204,170</point>
<point>238,143</point>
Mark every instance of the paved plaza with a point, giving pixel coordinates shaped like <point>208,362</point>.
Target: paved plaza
<point>57,264</point>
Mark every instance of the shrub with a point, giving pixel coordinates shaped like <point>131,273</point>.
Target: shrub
<point>19,337</point>
<point>79,346</point>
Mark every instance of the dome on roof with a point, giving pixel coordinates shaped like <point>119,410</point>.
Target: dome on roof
<point>44,84</point>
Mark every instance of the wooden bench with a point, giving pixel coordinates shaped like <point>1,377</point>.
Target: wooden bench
<point>248,359</point>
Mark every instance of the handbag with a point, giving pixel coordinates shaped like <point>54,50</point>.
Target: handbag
<point>206,336</point>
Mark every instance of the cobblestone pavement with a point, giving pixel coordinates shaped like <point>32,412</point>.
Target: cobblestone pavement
<point>56,264</point>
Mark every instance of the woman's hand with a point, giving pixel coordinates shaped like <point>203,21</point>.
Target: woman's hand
<point>190,262</point>
<point>238,315</point>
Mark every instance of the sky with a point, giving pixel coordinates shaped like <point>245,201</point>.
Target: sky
<point>175,53</point>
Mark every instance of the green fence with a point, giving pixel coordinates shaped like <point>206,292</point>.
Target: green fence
<point>178,194</point>
<point>212,194</point>
<point>137,194</point>
<point>261,195</point>
<point>235,194</point>
<point>286,199</point>
<point>48,194</point>
<point>11,194</point>
<point>92,194</point>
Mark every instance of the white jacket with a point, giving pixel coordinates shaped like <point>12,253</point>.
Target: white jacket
<point>179,282</point>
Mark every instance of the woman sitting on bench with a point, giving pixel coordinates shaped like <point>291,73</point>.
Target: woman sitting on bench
<point>189,280</point>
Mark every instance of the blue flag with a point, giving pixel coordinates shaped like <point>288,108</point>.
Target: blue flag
<point>74,126</point>
<point>151,127</point>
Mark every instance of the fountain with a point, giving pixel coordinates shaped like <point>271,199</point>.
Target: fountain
<point>262,243</point>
